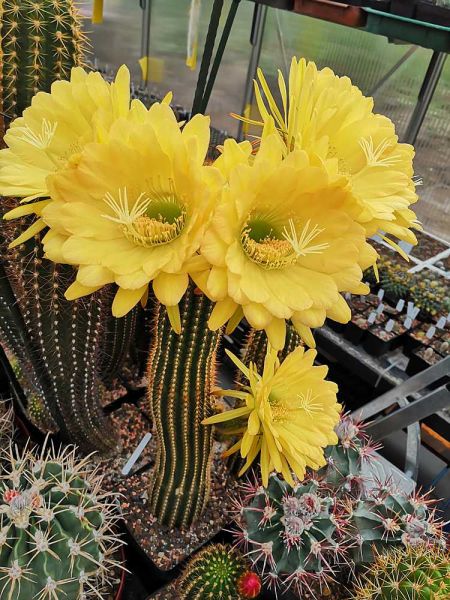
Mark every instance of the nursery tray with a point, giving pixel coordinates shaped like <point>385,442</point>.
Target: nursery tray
<point>397,27</point>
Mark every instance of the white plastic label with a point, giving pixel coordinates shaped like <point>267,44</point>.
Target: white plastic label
<point>380,308</point>
<point>372,317</point>
<point>390,325</point>
<point>136,454</point>
<point>380,294</point>
<point>408,322</point>
<point>431,331</point>
<point>441,323</point>
<point>400,305</point>
<point>415,312</point>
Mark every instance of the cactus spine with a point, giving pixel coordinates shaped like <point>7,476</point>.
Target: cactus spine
<point>385,517</point>
<point>213,573</point>
<point>57,536</point>
<point>295,534</point>
<point>63,346</point>
<point>415,573</point>
<point>181,373</point>
<point>40,41</point>
<point>6,424</point>
<point>345,460</point>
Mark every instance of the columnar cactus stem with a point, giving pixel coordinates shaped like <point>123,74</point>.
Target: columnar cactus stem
<point>255,348</point>
<point>181,372</point>
<point>66,350</point>
<point>40,41</point>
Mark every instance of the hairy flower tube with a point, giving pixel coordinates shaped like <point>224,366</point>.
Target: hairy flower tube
<point>280,245</point>
<point>133,209</point>
<point>53,131</point>
<point>328,116</point>
<point>287,414</point>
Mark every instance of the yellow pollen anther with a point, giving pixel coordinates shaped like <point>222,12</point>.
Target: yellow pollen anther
<point>151,221</point>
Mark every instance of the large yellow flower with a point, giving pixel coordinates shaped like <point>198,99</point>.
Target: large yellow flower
<point>280,246</point>
<point>55,127</point>
<point>328,116</point>
<point>133,209</point>
<point>289,414</point>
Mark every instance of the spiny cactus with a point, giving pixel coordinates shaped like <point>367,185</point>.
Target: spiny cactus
<point>66,350</point>
<point>395,279</point>
<point>386,517</point>
<point>6,424</point>
<point>57,537</point>
<point>296,535</point>
<point>218,572</point>
<point>40,41</point>
<point>181,374</point>
<point>430,294</point>
<point>345,461</point>
<point>413,573</point>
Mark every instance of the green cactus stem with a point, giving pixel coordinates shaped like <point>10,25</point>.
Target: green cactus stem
<point>295,535</point>
<point>40,41</point>
<point>67,351</point>
<point>386,517</point>
<point>414,573</point>
<point>213,573</point>
<point>181,374</point>
<point>57,537</point>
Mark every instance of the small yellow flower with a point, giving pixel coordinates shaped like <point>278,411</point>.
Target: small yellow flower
<point>280,246</point>
<point>133,209</point>
<point>288,415</point>
<point>54,130</point>
<point>328,116</point>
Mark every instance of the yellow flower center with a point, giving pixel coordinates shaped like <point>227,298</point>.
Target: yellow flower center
<point>272,247</point>
<point>153,220</point>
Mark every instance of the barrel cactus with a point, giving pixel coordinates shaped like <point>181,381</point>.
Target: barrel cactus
<point>219,572</point>
<point>40,41</point>
<point>386,517</point>
<point>345,461</point>
<point>413,573</point>
<point>296,535</point>
<point>57,537</point>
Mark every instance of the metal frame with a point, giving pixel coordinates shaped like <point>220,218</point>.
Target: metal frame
<point>409,413</point>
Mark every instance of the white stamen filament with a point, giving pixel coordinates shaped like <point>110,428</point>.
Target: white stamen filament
<point>40,140</point>
<point>301,243</point>
<point>374,155</point>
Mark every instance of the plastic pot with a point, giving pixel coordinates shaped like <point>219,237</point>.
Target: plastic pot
<point>335,12</point>
<point>353,333</point>
<point>119,593</point>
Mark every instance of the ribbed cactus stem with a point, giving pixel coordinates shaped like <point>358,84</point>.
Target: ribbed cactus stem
<point>67,351</point>
<point>256,346</point>
<point>40,41</point>
<point>181,372</point>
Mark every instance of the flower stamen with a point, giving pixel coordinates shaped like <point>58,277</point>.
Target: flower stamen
<point>374,155</point>
<point>154,219</point>
<point>40,140</point>
<point>301,243</point>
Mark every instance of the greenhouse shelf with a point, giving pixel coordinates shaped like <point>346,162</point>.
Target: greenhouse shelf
<point>396,27</point>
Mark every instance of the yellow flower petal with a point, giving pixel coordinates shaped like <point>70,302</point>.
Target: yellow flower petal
<point>77,290</point>
<point>169,288</point>
<point>221,312</point>
<point>125,300</point>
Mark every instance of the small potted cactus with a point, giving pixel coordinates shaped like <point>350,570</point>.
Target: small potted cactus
<point>219,572</point>
<point>416,573</point>
<point>58,537</point>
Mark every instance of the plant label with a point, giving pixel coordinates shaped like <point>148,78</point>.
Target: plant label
<point>400,305</point>
<point>372,317</point>
<point>441,323</point>
<point>431,331</point>
<point>136,454</point>
<point>390,325</point>
<point>408,322</point>
<point>380,308</point>
<point>380,294</point>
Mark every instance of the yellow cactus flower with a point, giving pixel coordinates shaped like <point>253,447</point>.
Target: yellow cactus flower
<point>53,129</point>
<point>280,246</point>
<point>328,116</point>
<point>287,414</point>
<point>133,209</point>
